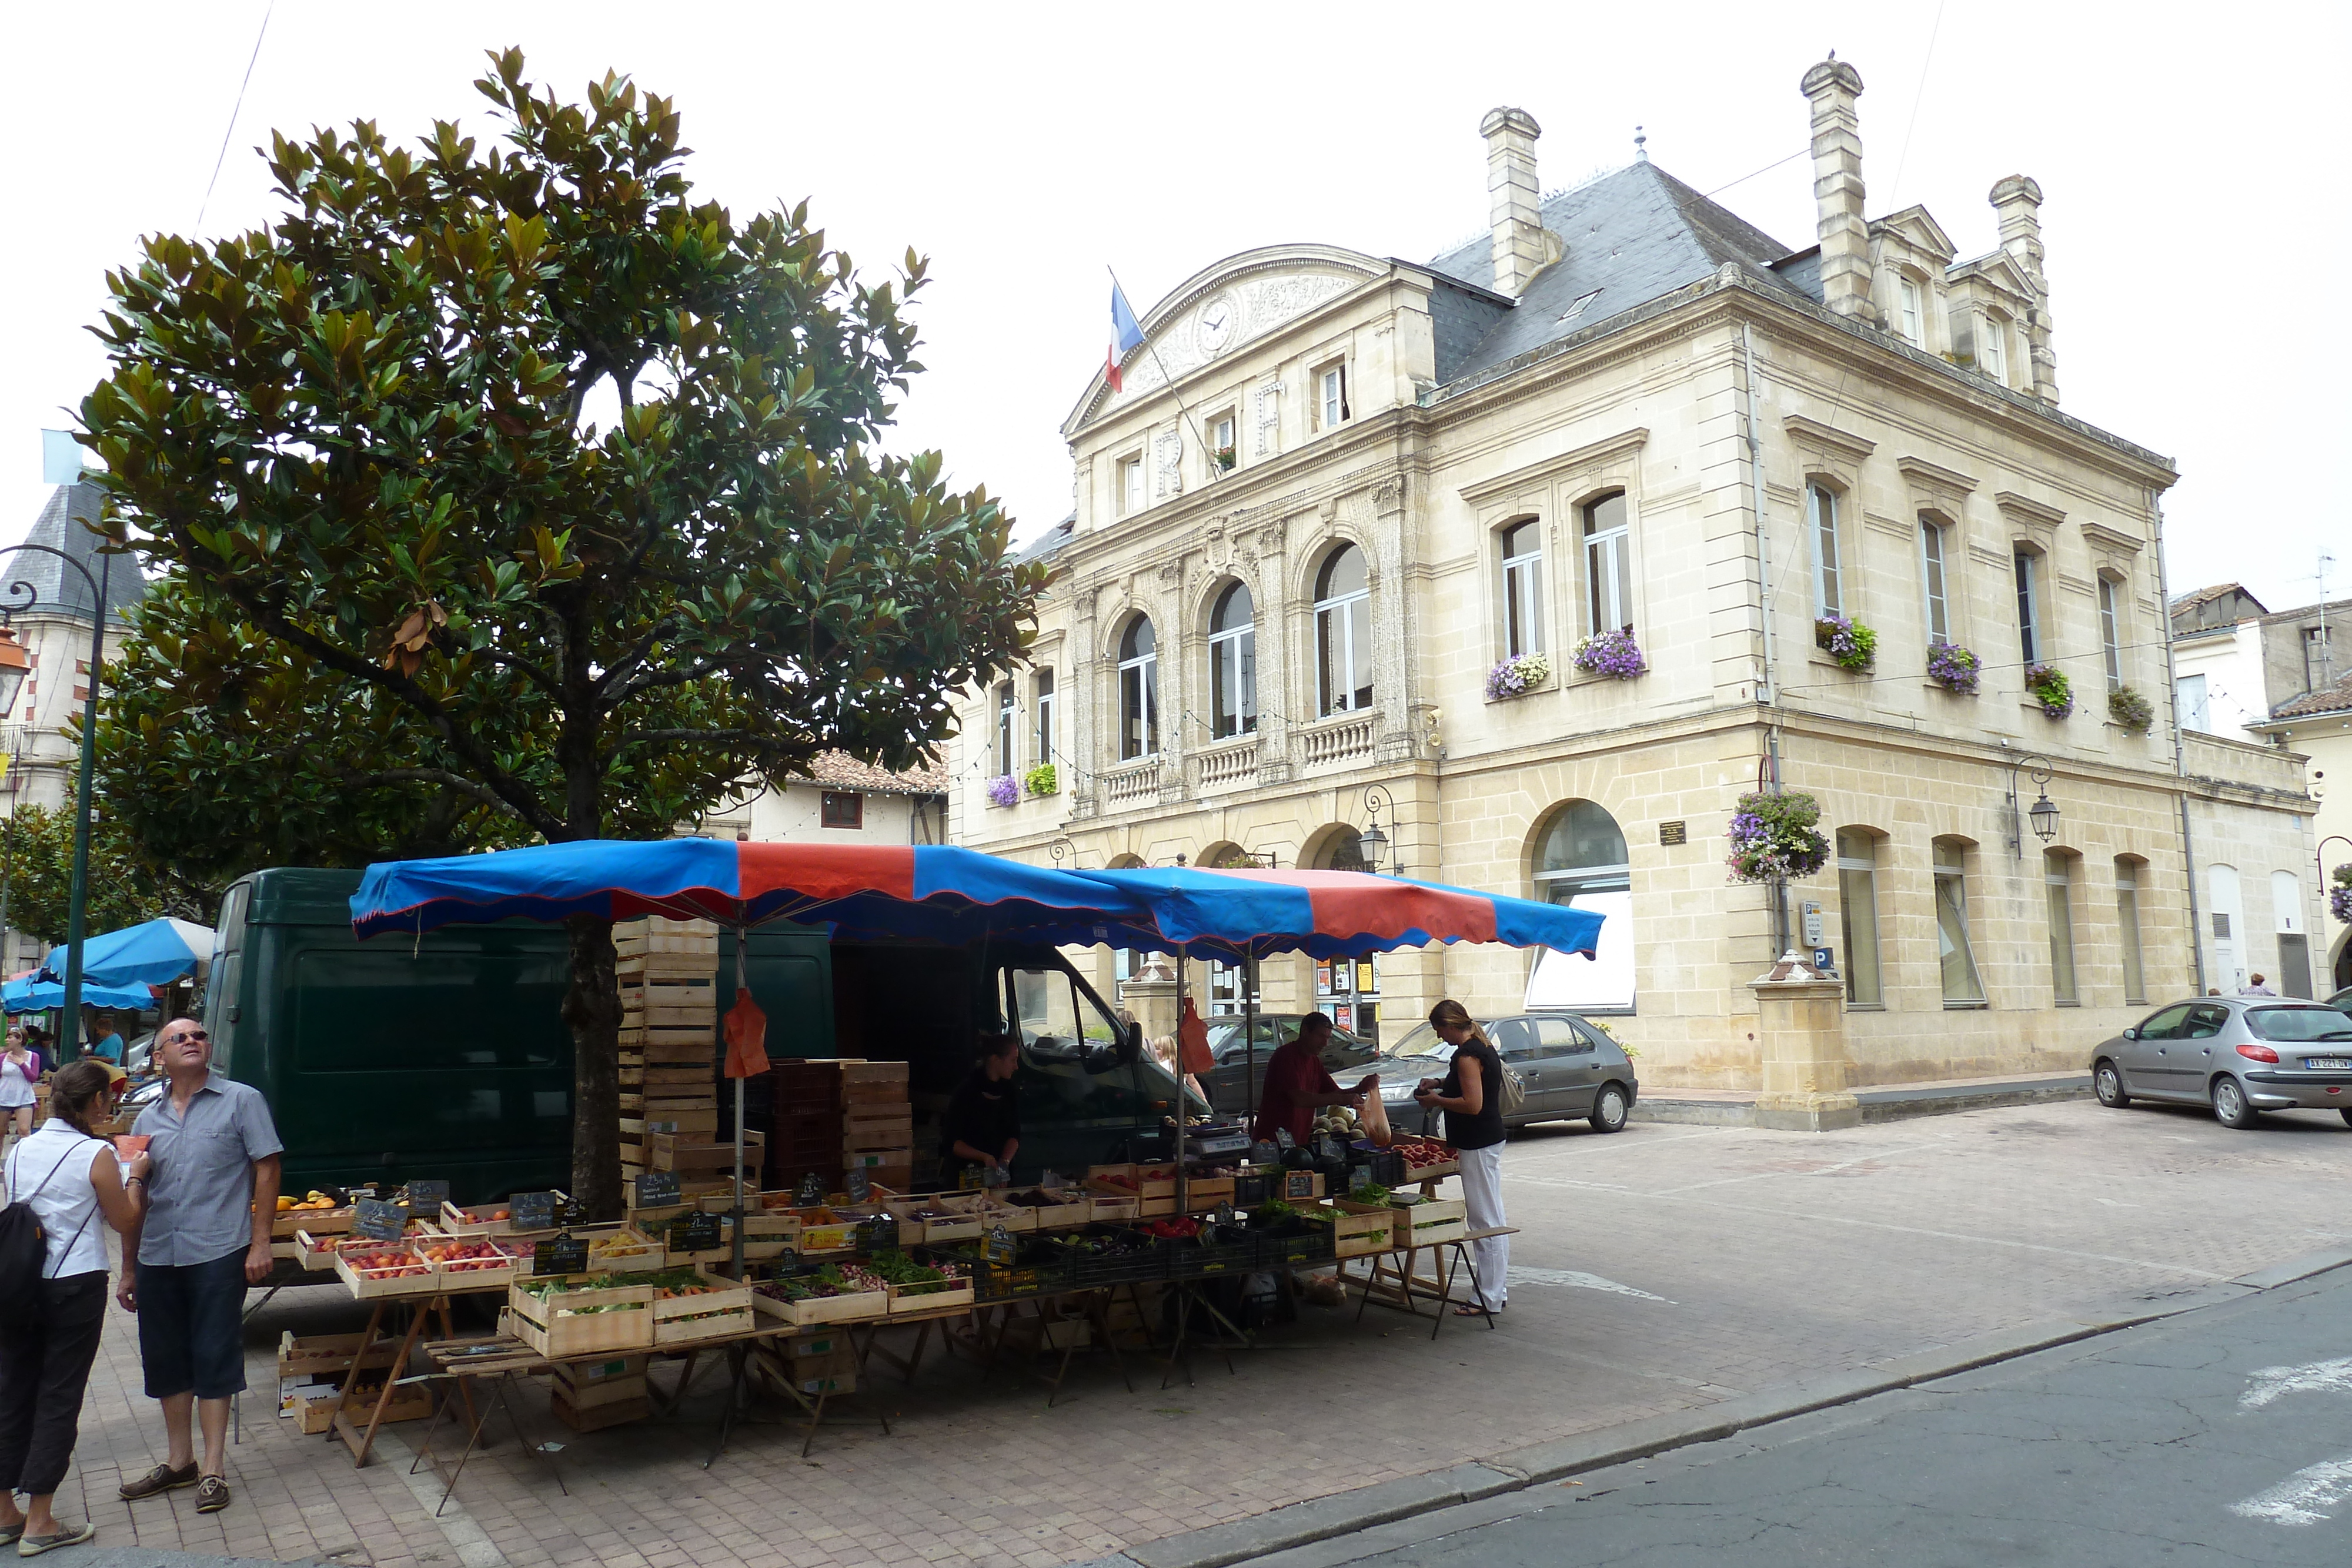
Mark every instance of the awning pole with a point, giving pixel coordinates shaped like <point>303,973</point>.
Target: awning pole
<point>1184,1111</point>
<point>737,1228</point>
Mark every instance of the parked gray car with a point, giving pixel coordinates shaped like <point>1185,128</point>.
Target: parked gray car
<point>1570,1068</point>
<point>2242,1055</point>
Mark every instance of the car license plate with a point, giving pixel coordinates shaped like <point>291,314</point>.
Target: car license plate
<point>2327,1064</point>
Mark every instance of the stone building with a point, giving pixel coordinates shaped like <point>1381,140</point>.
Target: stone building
<point>1336,494</point>
<point>841,801</point>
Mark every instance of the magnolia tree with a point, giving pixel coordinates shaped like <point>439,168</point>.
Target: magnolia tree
<point>358,444</point>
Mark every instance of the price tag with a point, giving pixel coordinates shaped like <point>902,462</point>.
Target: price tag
<point>565,1254</point>
<point>425,1198</point>
<point>860,1184</point>
<point>696,1233</point>
<point>1283,1142</point>
<point>1225,1213</point>
<point>1001,1248</point>
<point>378,1220</point>
<point>568,1213</point>
<point>878,1233</point>
<point>532,1210</point>
<point>812,1190</point>
<point>669,1127</point>
<point>657,1189</point>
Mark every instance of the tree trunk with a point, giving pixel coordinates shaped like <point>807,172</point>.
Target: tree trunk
<point>592,1008</point>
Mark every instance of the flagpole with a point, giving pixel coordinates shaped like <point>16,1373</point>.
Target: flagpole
<point>1167,379</point>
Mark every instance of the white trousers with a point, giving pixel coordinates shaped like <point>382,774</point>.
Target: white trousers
<point>1482,1190</point>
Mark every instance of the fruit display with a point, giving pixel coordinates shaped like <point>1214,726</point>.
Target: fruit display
<point>313,1201</point>
<point>1181,1228</point>
<point>607,1250</point>
<point>463,1255</point>
<point>1421,1154</point>
<point>1119,1179</point>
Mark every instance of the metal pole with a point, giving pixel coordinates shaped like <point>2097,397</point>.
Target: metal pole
<point>738,1227</point>
<point>77,912</point>
<point>1183,1107</point>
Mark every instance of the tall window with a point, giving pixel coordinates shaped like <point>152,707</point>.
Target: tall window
<point>2128,925</point>
<point>1331,396</point>
<point>1912,314</point>
<point>2058,881</point>
<point>1223,453</point>
<point>1233,663</point>
<point>1961,986</point>
<point>1004,712</point>
<point>2029,607</point>
<point>2111,635</point>
<point>1608,565</point>
<point>2189,698</point>
<point>1858,907</point>
<point>1523,589</point>
<point>1042,700</point>
<point>1581,861</point>
<point>1130,485</point>
<point>1343,632</point>
<point>1822,526</point>
<point>1996,347</point>
<point>1931,578</point>
<point>1139,691</point>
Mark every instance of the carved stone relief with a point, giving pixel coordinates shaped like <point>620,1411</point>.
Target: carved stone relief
<point>1168,452</point>
<point>1268,398</point>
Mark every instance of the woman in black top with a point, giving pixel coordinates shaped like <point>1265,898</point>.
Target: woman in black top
<point>984,1121</point>
<point>1472,1098</point>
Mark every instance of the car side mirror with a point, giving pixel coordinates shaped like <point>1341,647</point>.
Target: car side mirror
<point>2131,1034</point>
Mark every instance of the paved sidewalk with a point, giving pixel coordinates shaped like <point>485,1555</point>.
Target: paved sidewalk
<point>1658,1271</point>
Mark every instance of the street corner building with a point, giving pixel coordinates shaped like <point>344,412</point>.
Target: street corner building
<point>1539,554</point>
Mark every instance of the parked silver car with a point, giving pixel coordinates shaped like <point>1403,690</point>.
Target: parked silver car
<point>1570,1068</point>
<point>2242,1055</point>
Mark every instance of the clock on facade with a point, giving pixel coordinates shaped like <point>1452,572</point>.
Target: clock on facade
<point>1214,328</point>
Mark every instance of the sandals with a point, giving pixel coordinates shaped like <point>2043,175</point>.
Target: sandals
<point>34,1545</point>
<point>1473,1309</point>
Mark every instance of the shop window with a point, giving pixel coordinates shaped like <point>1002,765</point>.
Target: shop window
<point>1581,861</point>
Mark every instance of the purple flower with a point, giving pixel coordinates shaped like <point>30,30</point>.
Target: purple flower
<point>1775,836</point>
<point>2048,685</point>
<point>1003,790</point>
<point>1853,645</point>
<point>1954,668</point>
<point>1517,675</point>
<point>2339,897</point>
<point>1611,653</point>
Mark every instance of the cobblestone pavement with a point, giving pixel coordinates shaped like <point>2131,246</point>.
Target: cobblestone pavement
<point>1662,1267</point>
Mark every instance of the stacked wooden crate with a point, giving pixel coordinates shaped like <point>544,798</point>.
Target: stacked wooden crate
<point>878,1124</point>
<point>590,1395</point>
<point>805,1118</point>
<point>830,1116</point>
<point>669,971</point>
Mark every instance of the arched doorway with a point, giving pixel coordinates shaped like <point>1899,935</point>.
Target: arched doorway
<point>1580,860</point>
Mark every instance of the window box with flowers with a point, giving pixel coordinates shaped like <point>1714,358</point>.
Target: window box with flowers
<point>1003,790</point>
<point>2339,897</point>
<point>1042,779</point>
<point>1517,675</point>
<point>1611,653</point>
<point>2048,685</point>
<point>1954,668</point>
<point>2128,707</point>
<point>1849,644</point>
<point>1777,836</point>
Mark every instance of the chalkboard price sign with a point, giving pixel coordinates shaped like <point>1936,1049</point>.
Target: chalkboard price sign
<point>425,1198</point>
<point>565,1254</point>
<point>1001,1248</point>
<point>656,1189</point>
<point>378,1220</point>
<point>811,1192</point>
<point>568,1213</point>
<point>860,1184</point>
<point>532,1210</point>
<point>696,1233</point>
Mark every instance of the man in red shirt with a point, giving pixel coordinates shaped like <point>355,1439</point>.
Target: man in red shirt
<point>1296,1084</point>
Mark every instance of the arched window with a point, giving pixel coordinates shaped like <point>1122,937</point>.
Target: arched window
<point>1343,632</point>
<point>1608,565</point>
<point>1344,851</point>
<point>1581,861</point>
<point>1523,589</point>
<point>1139,691</point>
<point>1935,546</point>
<point>1233,663</point>
<point>2058,883</point>
<point>2127,871</point>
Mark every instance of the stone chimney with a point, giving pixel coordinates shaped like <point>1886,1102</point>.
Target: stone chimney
<point>1832,86</point>
<point>2017,203</point>
<point>1513,200</point>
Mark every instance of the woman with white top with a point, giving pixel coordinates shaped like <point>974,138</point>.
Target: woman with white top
<point>68,1176</point>
<point>20,1070</point>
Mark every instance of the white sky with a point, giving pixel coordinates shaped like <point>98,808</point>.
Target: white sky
<point>2194,162</point>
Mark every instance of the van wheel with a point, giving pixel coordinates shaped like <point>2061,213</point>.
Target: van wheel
<point>2108,1084</point>
<point>2230,1107</point>
<point>1608,1109</point>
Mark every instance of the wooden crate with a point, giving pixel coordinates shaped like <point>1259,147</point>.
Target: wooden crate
<point>918,1299</point>
<point>1115,1205</point>
<point>316,1413</point>
<point>651,1082</point>
<point>320,1354</point>
<point>1360,1229</point>
<point>418,1278</point>
<point>658,934</point>
<point>822,1231</point>
<point>635,968</point>
<point>1432,1222</point>
<point>555,1326</point>
<point>317,1221</point>
<point>855,1306</point>
<point>588,1393</point>
<point>878,1159</point>
<point>1205,1193</point>
<point>684,1151</point>
<point>861,1135</point>
<point>597,1418</point>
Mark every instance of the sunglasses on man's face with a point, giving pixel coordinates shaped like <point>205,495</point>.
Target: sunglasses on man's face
<point>189,1035</point>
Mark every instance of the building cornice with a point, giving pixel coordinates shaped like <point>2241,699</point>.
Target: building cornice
<point>1623,444</point>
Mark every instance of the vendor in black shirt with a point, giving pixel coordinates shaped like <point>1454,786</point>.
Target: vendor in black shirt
<point>984,1121</point>
<point>1472,1098</point>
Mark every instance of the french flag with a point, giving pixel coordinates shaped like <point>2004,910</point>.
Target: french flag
<point>1125,335</point>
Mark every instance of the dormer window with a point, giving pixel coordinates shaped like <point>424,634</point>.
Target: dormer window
<point>1913,316</point>
<point>1996,347</point>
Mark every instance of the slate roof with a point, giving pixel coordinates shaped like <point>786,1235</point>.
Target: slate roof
<point>1629,237</point>
<point>2336,698</point>
<point>58,587</point>
<point>837,771</point>
<point>1047,543</point>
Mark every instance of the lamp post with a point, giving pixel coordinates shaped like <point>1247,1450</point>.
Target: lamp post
<point>2043,811</point>
<point>23,596</point>
<point>1374,842</point>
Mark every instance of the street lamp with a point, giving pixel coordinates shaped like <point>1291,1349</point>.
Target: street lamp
<point>1374,842</point>
<point>23,597</point>
<point>2043,813</point>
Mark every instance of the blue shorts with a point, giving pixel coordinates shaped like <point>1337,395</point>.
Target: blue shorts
<point>191,1328</point>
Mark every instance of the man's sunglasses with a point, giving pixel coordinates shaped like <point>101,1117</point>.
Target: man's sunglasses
<point>188,1035</point>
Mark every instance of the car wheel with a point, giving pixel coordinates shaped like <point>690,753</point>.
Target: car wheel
<point>2346,1115</point>
<point>2108,1084</point>
<point>1608,1109</point>
<point>2230,1107</point>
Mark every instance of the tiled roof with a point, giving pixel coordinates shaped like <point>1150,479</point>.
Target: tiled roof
<point>838,770</point>
<point>2336,698</point>
<point>2204,595</point>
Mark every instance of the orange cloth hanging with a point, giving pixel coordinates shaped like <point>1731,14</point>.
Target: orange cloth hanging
<point>1192,1040</point>
<point>746,1031</point>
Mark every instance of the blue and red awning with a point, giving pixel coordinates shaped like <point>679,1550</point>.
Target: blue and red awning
<point>941,893</point>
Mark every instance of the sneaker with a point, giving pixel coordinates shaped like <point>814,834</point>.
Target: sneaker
<point>161,1478</point>
<point>34,1545</point>
<point>212,1495</point>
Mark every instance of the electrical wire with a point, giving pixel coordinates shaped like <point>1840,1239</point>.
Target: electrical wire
<point>1929,59</point>
<point>229,131</point>
<point>1767,168</point>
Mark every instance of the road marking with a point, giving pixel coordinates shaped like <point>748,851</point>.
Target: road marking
<point>2271,1383</point>
<point>2111,1203</point>
<point>1824,1170</point>
<point>1579,1281</point>
<point>2299,1499</point>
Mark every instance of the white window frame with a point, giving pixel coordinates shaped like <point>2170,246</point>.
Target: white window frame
<point>1336,620</point>
<point>1007,708</point>
<point>1607,566</point>
<point>1133,497</point>
<point>1145,715</point>
<point>1995,358</point>
<point>1934,578</point>
<point>1523,628</point>
<point>1223,435</point>
<point>1238,646</point>
<point>1332,395</point>
<point>2026,564</point>
<point>2192,701</point>
<point>1822,529</point>
<point>1911,301</point>
<point>2111,637</point>
<point>1042,728</point>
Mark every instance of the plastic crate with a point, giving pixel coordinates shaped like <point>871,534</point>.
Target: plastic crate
<point>1249,1191</point>
<point>1295,1246</point>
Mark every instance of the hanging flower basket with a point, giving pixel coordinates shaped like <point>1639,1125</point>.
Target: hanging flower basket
<point>1776,836</point>
<point>2048,686</point>
<point>1853,645</point>
<point>1516,677</point>
<point>2129,709</point>
<point>2339,897</point>
<point>1003,790</point>
<point>1954,668</point>
<point>1610,653</point>
<point>1042,779</point>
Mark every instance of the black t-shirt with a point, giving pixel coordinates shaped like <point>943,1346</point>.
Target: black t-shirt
<point>1486,1128</point>
<point>985,1115</point>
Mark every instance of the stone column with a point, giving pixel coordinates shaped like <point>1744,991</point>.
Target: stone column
<point>1832,86</point>
<point>1800,1039</point>
<point>1151,997</point>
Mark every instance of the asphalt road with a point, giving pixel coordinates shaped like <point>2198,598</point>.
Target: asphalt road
<point>2223,1435</point>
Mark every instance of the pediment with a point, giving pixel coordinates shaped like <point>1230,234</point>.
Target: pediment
<point>1919,231</point>
<point>1254,293</point>
<point>1999,270</point>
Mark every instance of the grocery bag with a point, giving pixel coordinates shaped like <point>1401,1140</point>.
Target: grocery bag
<point>1374,1116</point>
<point>1192,1040</point>
<point>746,1030</point>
